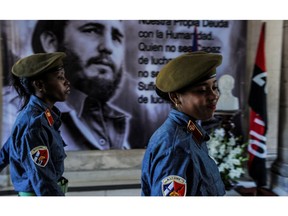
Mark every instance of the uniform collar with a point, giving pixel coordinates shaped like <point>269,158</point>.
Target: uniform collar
<point>179,117</point>
<point>183,120</point>
<point>55,112</point>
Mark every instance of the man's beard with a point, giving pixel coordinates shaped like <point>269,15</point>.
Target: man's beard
<point>99,89</point>
<point>96,88</point>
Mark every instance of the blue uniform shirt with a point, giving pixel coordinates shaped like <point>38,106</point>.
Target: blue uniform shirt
<point>176,163</point>
<point>36,150</point>
<point>4,156</point>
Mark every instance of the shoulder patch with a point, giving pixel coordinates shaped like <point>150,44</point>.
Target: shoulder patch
<point>49,117</point>
<point>40,155</point>
<point>174,186</point>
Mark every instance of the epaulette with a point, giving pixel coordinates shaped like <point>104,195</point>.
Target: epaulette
<point>197,134</point>
<point>49,117</point>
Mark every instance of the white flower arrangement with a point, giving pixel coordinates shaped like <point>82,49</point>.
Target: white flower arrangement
<point>228,154</point>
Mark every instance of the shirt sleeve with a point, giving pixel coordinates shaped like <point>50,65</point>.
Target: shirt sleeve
<point>174,174</point>
<point>4,155</point>
<point>36,159</point>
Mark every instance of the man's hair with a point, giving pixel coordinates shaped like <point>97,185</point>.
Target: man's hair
<point>54,26</point>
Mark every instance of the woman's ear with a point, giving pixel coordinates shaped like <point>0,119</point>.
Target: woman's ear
<point>49,41</point>
<point>174,98</point>
<point>38,85</point>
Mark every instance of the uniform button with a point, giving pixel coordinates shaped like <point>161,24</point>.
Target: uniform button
<point>102,142</point>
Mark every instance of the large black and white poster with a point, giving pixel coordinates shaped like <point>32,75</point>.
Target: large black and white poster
<point>112,66</point>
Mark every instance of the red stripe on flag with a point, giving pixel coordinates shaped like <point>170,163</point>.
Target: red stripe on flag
<point>260,58</point>
<point>257,133</point>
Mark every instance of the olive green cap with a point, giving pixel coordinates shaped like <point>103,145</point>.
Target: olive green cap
<point>187,69</point>
<point>37,64</point>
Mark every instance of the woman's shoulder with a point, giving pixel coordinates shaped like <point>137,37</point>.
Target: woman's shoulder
<point>168,137</point>
<point>34,118</point>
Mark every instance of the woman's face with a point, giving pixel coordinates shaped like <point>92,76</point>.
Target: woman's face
<point>55,87</point>
<point>199,101</point>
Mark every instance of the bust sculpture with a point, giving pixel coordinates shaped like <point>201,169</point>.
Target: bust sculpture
<point>227,102</point>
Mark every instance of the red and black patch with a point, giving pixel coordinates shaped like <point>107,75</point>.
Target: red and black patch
<point>49,117</point>
<point>197,134</point>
